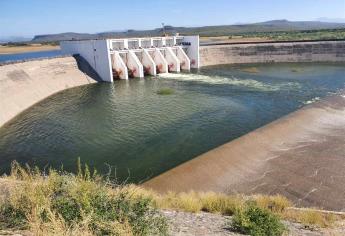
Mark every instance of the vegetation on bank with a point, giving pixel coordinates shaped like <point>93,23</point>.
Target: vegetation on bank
<point>29,44</point>
<point>254,220</point>
<point>10,48</point>
<point>61,203</point>
<point>324,34</point>
<point>58,203</point>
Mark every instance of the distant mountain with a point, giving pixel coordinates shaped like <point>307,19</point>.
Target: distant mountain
<point>63,36</point>
<point>268,26</point>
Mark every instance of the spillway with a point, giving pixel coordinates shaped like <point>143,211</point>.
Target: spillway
<point>135,57</point>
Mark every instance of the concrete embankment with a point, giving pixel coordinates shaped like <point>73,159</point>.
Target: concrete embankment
<point>301,156</point>
<point>24,84</point>
<point>320,51</point>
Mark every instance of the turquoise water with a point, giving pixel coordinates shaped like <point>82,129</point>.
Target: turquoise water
<point>128,126</point>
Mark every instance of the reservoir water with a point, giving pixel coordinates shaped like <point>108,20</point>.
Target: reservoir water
<point>30,55</point>
<point>139,133</point>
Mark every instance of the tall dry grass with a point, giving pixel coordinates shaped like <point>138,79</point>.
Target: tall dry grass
<point>58,203</point>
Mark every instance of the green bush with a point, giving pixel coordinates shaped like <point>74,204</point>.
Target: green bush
<point>256,221</point>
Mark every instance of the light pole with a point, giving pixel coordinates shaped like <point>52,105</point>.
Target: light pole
<point>163,29</point>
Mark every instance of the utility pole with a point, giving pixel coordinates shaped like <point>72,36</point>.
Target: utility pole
<point>163,26</point>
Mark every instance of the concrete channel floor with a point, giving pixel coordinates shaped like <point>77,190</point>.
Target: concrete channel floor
<point>301,156</point>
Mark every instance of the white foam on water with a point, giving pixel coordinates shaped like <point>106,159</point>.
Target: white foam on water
<point>218,80</point>
<point>312,100</point>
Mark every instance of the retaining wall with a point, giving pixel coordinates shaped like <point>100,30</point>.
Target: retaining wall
<point>322,51</point>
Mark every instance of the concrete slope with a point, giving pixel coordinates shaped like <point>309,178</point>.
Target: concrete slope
<point>24,84</point>
<point>301,156</point>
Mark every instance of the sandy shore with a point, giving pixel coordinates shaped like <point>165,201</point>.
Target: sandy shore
<point>301,156</point>
<point>31,48</point>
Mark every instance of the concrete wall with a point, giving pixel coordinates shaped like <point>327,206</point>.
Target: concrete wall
<point>193,51</point>
<point>24,84</point>
<point>333,51</point>
<point>96,53</point>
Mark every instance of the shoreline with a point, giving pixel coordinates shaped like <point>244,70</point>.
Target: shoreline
<point>299,156</point>
<point>6,50</point>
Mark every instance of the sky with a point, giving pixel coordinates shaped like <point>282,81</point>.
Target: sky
<point>32,17</point>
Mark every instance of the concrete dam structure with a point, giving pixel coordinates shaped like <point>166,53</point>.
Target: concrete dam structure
<point>135,57</point>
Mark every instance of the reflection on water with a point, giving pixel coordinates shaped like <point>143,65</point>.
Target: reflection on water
<point>129,126</point>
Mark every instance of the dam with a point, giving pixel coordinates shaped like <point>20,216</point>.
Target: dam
<point>134,57</point>
<point>128,126</point>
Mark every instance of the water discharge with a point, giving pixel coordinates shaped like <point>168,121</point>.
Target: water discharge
<point>128,126</point>
<point>219,80</point>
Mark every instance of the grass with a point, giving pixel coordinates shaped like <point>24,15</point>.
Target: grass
<point>276,203</point>
<point>221,203</point>
<point>165,91</point>
<point>323,34</point>
<point>224,204</point>
<point>312,217</point>
<point>60,203</point>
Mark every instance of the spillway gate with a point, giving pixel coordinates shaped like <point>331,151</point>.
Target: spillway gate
<point>136,57</point>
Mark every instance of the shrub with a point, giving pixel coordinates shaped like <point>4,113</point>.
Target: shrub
<point>67,204</point>
<point>256,221</point>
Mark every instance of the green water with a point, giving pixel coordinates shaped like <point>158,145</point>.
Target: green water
<point>128,126</point>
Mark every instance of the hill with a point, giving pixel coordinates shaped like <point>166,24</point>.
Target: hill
<point>268,26</point>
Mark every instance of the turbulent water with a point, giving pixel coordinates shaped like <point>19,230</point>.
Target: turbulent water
<point>128,126</point>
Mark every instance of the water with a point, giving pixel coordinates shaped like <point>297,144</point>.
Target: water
<point>29,55</point>
<point>128,126</point>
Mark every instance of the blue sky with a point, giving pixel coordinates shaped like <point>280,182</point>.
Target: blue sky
<point>28,18</point>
